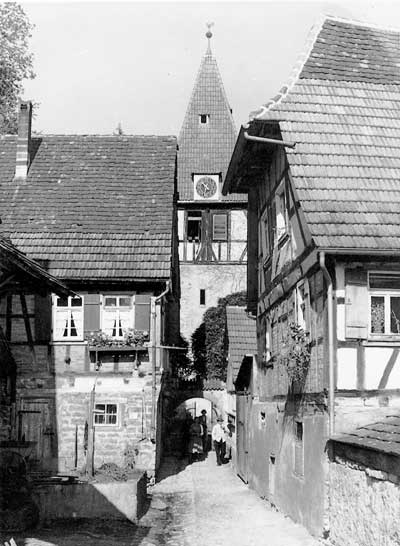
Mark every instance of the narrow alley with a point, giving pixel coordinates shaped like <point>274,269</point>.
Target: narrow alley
<point>191,505</point>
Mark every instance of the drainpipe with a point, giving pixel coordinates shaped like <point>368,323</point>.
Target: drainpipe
<point>331,395</point>
<point>153,360</point>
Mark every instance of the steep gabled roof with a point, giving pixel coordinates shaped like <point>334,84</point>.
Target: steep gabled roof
<point>94,207</point>
<point>206,149</point>
<point>342,109</point>
<point>242,339</point>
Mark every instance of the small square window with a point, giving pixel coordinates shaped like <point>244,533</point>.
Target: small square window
<point>105,414</point>
<point>204,118</point>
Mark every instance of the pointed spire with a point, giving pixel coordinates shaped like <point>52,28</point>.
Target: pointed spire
<point>209,36</point>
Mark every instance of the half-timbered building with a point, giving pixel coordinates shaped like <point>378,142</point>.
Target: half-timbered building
<point>98,213</point>
<point>321,168</point>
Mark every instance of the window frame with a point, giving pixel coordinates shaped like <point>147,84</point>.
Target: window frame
<point>298,445</point>
<point>226,216</point>
<point>207,117</point>
<point>69,308</point>
<point>386,294</point>
<point>202,292</point>
<point>281,210</point>
<point>105,404</point>
<point>301,306</point>
<point>199,220</point>
<point>105,308</point>
<point>264,249</point>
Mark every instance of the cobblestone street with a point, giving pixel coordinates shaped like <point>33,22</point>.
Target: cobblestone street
<point>197,505</point>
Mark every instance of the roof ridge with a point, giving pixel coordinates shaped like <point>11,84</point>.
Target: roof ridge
<point>296,70</point>
<point>91,135</point>
<point>359,23</point>
<point>304,55</point>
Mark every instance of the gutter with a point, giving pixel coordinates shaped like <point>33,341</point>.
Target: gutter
<point>269,140</point>
<point>331,394</point>
<point>153,359</point>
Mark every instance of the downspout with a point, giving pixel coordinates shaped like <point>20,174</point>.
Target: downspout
<point>331,392</point>
<point>153,360</point>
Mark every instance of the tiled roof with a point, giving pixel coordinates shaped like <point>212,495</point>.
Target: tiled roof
<point>343,112</point>
<point>93,206</point>
<point>206,148</point>
<point>14,262</point>
<point>242,337</point>
<point>384,435</point>
<point>213,384</point>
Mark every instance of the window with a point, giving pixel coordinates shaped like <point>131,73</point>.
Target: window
<point>267,346</point>
<point>202,296</point>
<point>117,315</point>
<point>298,448</point>
<point>384,303</point>
<point>67,318</point>
<point>280,212</point>
<point>301,306</point>
<point>193,231</point>
<point>204,119</point>
<point>220,227</point>
<point>263,239</point>
<point>106,414</point>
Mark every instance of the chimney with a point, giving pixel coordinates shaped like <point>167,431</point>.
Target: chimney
<point>24,140</point>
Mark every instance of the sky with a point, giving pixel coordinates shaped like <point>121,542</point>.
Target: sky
<point>99,64</point>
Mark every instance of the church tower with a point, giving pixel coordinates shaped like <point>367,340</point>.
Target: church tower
<point>212,227</point>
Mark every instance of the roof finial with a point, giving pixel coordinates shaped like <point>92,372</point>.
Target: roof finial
<point>209,36</point>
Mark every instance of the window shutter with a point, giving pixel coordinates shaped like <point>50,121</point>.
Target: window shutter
<point>357,308</point>
<point>220,227</point>
<point>91,314</point>
<point>42,318</point>
<point>142,312</point>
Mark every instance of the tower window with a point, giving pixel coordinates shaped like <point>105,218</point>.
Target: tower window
<point>202,296</point>
<point>194,225</point>
<point>204,118</point>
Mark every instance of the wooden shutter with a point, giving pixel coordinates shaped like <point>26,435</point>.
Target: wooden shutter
<point>91,313</point>
<point>42,318</point>
<point>357,308</point>
<point>142,312</point>
<point>220,227</point>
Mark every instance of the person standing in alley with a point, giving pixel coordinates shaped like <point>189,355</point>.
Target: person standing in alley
<point>203,421</point>
<point>218,437</point>
<point>196,440</point>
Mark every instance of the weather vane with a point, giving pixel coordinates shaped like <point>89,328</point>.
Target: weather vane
<point>209,33</point>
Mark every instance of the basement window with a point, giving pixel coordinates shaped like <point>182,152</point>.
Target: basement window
<point>106,414</point>
<point>204,119</point>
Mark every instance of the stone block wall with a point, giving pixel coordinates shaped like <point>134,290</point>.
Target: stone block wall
<point>217,280</point>
<point>365,505</point>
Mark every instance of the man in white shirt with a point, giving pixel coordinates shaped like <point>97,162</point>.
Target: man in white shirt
<point>218,437</point>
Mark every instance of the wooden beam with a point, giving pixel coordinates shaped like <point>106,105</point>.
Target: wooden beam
<point>28,328</point>
<point>8,317</point>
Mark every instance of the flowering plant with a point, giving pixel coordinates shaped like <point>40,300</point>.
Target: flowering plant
<point>132,338</point>
<point>297,356</point>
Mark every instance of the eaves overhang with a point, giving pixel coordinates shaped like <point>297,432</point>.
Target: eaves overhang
<point>253,150</point>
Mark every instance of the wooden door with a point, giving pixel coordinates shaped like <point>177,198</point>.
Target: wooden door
<point>242,436</point>
<point>35,425</point>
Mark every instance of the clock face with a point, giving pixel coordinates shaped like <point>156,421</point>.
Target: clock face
<point>206,187</point>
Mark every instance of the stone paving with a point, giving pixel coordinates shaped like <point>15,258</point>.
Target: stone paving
<point>198,505</point>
